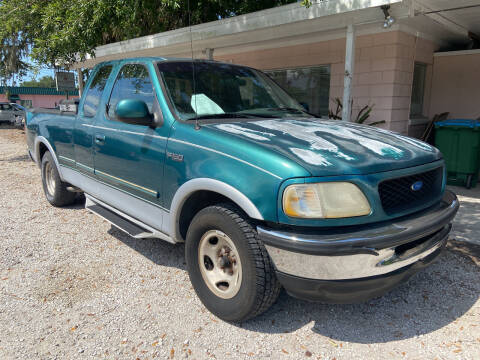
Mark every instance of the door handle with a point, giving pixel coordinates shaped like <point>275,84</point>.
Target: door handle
<point>100,139</point>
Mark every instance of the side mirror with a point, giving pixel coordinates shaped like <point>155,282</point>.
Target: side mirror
<point>134,112</point>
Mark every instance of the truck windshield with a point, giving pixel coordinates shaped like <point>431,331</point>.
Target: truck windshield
<point>224,91</point>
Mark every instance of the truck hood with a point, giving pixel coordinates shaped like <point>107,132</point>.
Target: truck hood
<point>329,148</point>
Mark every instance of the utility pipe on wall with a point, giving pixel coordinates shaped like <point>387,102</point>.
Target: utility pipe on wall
<point>348,79</point>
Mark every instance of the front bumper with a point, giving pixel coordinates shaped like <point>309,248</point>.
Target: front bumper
<point>337,261</point>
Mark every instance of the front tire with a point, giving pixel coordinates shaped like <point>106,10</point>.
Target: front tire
<point>54,188</point>
<point>228,266</point>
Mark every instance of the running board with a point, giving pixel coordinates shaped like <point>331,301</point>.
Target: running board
<point>132,227</point>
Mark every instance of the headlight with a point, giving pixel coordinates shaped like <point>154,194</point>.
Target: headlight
<point>325,200</point>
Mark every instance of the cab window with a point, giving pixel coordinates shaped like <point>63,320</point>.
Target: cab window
<point>133,82</point>
<point>95,91</point>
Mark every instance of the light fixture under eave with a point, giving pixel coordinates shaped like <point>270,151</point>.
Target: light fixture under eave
<point>389,19</point>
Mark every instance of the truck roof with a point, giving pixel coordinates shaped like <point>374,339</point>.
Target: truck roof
<point>154,58</point>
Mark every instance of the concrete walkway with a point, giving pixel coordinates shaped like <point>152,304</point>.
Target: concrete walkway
<point>466,226</point>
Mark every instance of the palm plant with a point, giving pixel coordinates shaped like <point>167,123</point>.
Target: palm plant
<point>361,117</point>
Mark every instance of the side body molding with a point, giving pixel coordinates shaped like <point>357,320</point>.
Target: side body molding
<point>41,139</point>
<point>206,184</point>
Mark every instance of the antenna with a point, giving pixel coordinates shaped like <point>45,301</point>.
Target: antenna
<point>197,126</point>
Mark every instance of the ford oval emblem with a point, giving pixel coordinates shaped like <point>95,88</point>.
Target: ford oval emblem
<point>417,186</point>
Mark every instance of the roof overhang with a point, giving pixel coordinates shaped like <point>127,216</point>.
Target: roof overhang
<point>295,24</point>
<point>452,22</point>
<point>290,23</point>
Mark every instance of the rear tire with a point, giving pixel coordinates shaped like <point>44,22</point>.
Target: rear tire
<point>228,266</point>
<point>54,188</point>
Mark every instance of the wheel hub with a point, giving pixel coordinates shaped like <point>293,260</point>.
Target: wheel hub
<point>220,264</point>
<point>50,178</point>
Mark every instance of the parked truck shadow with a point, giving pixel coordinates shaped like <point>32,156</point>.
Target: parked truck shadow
<point>431,300</point>
<point>79,203</point>
<point>158,251</point>
<point>15,159</point>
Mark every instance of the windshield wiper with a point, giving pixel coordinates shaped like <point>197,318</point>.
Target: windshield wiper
<point>289,109</point>
<point>229,116</point>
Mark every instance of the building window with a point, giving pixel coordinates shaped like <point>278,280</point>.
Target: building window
<point>418,90</point>
<point>309,86</point>
<point>26,103</point>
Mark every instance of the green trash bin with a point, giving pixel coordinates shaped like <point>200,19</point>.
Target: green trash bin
<point>459,141</point>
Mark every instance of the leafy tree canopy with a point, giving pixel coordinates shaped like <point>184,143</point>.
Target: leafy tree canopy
<point>13,49</point>
<point>44,81</point>
<point>54,32</point>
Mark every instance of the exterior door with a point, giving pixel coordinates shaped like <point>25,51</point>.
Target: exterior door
<point>90,110</point>
<point>128,157</point>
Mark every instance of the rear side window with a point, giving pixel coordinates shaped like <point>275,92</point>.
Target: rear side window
<point>133,82</point>
<point>95,91</point>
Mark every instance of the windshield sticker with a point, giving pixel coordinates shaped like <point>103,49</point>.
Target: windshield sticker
<point>252,134</point>
<point>203,105</point>
<point>311,157</point>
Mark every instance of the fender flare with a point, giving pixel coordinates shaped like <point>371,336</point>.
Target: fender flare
<point>207,184</point>
<point>44,141</point>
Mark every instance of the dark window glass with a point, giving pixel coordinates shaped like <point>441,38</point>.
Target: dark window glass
<point>95,91</point>
<point>309,86</point>
<point>133,82</point>
<point>418,90</point>
<point>26,103</point>
<point>224,90</point>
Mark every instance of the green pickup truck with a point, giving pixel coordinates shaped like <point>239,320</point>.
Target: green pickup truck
<point>263,194</point>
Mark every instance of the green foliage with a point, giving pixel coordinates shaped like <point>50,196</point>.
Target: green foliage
<point>307,3</point>
<point>13,48</point>
<point>57,31</point>
<point>361,117</point>
<point>44,81</point>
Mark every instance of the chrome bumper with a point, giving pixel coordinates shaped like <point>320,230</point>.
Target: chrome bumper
<point>354,253</point>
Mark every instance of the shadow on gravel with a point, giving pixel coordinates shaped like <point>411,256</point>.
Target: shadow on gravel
<point>158,251</point>
<point>20,158</point>
<point>432,299</point>
<point>466,226</point>
<point>79,203</point>
<point>468,250</point>
<point>7,126</point>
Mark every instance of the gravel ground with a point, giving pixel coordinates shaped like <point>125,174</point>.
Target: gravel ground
<point>467,224</point>
<point>73,287</point>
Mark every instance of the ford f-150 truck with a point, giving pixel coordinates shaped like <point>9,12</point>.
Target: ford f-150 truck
<point>263,194</point>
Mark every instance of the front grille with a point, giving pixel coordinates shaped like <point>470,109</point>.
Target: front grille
<point>397,194</point>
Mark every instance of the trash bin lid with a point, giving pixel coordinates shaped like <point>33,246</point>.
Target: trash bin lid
<point>471,123</point>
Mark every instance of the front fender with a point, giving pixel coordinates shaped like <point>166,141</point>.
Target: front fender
<point>207,184</point>
<point>248,174</point>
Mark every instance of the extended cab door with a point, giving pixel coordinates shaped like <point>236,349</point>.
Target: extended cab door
<point>90,110</point>
<point>130,157</point>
